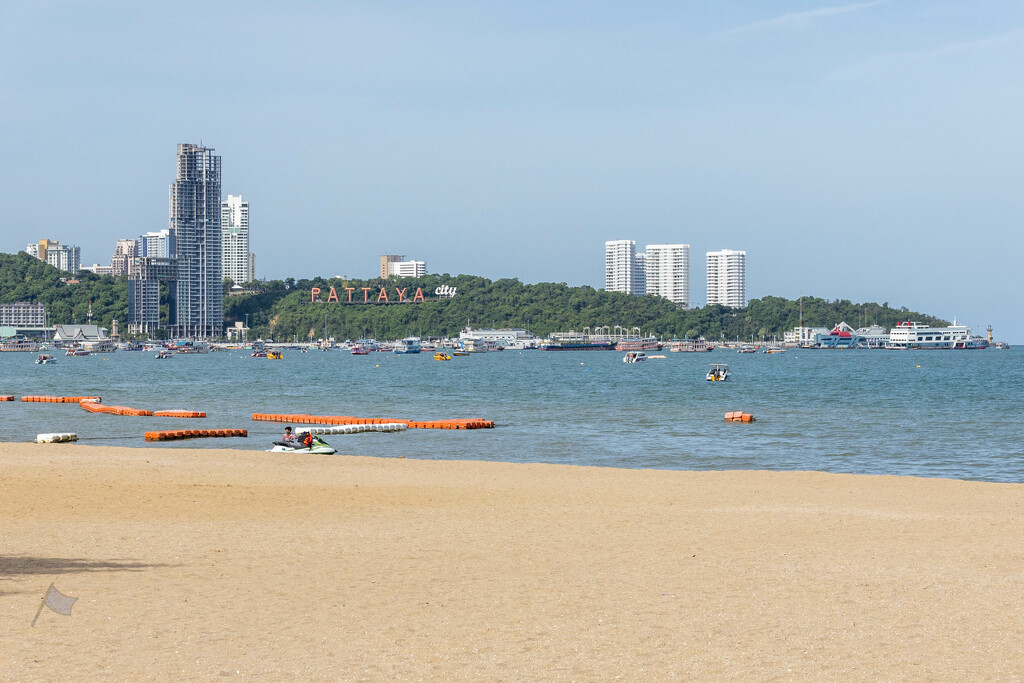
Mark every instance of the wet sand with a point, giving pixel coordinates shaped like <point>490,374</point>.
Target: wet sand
<point>215,564</point>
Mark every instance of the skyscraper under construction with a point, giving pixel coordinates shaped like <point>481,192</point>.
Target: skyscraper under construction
<point>198,295</point>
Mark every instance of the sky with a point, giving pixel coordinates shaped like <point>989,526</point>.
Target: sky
<point>869,151</point>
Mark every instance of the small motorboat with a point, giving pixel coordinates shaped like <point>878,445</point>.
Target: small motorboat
<point>319,447</point>
<point>634,357</point>
<point>719,372</point>
<point>460,353</point>
<point>44,359</point>
<point>442,356</point>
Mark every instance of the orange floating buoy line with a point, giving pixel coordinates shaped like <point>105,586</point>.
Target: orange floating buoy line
<point>178,413</point>
<point>473,423</point>
<point>172,435</point>
<point>94,407</point>
<point>6,398</point>
<point>739,416</point>
<point>58,399</point>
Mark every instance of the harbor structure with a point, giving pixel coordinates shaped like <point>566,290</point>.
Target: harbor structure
<point>194,221</point>
<point>234,226</point>
<point>624,269</point>
<point>727,278</point>
<point>667,270</point>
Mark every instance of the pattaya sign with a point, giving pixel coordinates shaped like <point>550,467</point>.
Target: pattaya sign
<point>445,291</point>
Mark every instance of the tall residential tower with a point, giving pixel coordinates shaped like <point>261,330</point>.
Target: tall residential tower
<point>624,268</point>
<point>234,228</point>
<point>195,226</point>
<point>668,272</point>
<point>727,278</point>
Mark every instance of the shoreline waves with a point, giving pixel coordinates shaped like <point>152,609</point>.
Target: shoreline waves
<point>202,563</point>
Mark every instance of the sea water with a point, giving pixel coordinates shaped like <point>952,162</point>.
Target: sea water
<point>953,414</point>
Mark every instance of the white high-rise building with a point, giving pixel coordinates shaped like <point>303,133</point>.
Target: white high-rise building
<point>727,278</point>
<point>667,267</point>
<point>234,231</point>
<point>624,268</point>
<point>61,256</point>
<point>408,268</point>
<point>125,252</point>
<point>158,244</point>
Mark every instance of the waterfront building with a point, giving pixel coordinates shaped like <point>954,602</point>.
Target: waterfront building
<point>667,270</point>
<point>803,336</point>
<point>194,222</point>
<point>727,278</point>
<point>873,337</point>
<point>234,227</point>
<point>624,268</point>
<point>385,264</point>
<point>23,314</point>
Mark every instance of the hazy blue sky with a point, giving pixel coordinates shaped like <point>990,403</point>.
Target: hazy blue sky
<point>869,150</point>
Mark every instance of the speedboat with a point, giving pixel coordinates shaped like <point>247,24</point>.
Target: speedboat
<point>442,356</point>
<point>319,447</point>
<point>719,372</point>
<point>163,355</point>
<point>634,357</point>
<point>44,359</point>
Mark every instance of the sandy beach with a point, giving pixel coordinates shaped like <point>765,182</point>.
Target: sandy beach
<point>214,564</point>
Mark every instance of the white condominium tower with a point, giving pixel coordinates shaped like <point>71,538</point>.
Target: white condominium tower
<point>727,278</point>
<point>624,268</point>
<point>668,272</point>
<point>234,232</point>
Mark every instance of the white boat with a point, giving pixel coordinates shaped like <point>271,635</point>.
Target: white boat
<point>634,357</point>
<point>408,345</point>
<point>718,372</point>
<point>915,335</point>
<point>44,359</point>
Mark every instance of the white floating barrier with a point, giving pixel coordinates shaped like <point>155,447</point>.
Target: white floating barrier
<point>354,429</point>
<point>59,437</point>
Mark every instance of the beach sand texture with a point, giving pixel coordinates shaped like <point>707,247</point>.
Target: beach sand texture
<point>224,563</point>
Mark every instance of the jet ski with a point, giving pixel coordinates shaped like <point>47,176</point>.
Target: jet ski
<point>319,447</point>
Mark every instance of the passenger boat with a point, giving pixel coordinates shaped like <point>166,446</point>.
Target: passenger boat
<point>718,372</point>
<point>634,357</point>
<point>747,349</point>
<point>915,335</point>
<point>20,344</point>
<point>77,352</point>
<point>190,346</point>
<point>699,344</point>
<point>408,345</point>
<point>638,344</point>
<point>44,359</point>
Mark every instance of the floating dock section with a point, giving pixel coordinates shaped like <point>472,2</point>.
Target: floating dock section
<point>473,423</point>
<point>174,434</point>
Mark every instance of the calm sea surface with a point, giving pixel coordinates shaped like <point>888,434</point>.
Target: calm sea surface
<point>926,413</point>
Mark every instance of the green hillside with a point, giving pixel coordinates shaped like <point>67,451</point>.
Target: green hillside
<point>283,310</point>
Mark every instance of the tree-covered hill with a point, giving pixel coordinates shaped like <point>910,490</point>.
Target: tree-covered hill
<point>67,297</point>
<point>283,309</point>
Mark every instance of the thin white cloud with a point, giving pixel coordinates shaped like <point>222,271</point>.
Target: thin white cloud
<point>888,61</point>
<point>793,20</point>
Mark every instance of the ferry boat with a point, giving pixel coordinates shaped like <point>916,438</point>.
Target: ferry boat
<point>690,345</point>
<point>915,335</point>
<point>20,344</point>
<point>638,344</point>
<point>190,346</point>
<point>77,352</point>
<point>408,345</point>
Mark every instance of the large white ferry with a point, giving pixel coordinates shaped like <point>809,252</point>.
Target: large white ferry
<point>915,335</point>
